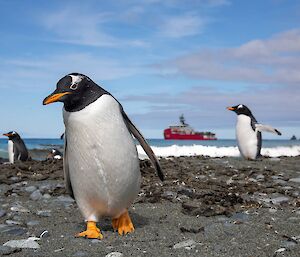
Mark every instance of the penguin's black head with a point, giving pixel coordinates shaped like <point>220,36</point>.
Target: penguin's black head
<point>240,109</point>
<point>75,90</point>
<point>12,135</point>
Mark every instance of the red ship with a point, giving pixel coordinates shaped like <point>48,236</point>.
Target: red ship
<point>185,132</point>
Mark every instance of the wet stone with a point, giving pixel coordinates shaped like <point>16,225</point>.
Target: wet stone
<point>188,244</point>
<point>23,243</point>
<point>13,222</point>
<point>6,250</point>
<point>240,216</point>
<point>32,223</point>
<point>296,180</point>
<point>260,177</point>
<point>30,189</point>
<point>279,200</point>
<point>46,196</point>
<point>289,244</point>
<point>65,199</point>
<point>169,195</point>
<point>36,195</point>
<point>280,182</point>
<point>80,254</point>
<point>12,230</point>
<point>44,213</point>
<point>19,208</point>
<point>2,213</point>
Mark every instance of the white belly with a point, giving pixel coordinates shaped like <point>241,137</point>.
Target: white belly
<point>10,151</point>
<point>102,157</point>
<point>246,137</point>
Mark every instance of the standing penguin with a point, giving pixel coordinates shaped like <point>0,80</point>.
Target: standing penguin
<point>248,132</point>
<point>54,155</point>
<point>16,147</point>
<point>101,164</point>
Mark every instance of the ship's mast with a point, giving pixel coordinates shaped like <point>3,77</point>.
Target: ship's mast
<point>182,120</point>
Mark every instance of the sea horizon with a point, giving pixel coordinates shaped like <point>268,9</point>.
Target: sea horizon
<point>165,148</point>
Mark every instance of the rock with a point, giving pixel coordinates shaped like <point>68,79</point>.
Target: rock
<point>114,254</point>
<point>240,216</point>
<point>260,177</point>
<point>280,181</point>
<point>2,213</point>
<point>169,195</point>
<point>23,243</point>
<point>80,254</point>
<point>279,200</point>
<point>272,210</point>
<point>30,189</point>
<point>65,199</point>
<point>12,230</point>
<point>46,196</point>
<point>188,244</point>
<point>36,195</point>
<point>13,222</point>
<point>19,208</point>
<point>289,244</point>
<point>276,199</point>
<point>6,250</point>
<point>296,180</point>
<point>44,213</point>
<point>32,223</point>
<point>95,241</point>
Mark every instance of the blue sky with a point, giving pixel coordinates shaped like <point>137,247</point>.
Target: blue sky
<point>159,58</point>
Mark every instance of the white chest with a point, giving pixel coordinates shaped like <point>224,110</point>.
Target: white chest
<point>102,158</point>
<point>10,151</point>
<point>246,137</point>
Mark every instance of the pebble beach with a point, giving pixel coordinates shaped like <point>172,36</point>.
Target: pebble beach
<point>205,207</point>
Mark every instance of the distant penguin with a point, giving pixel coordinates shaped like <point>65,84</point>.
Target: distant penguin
<point>248,132</point>
<point>16,147</point>
<point>54,155</point>
<point>101,164</point>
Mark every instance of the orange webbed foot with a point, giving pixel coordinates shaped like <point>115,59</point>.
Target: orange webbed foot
<point>123,224</point>
<point>91,231</point>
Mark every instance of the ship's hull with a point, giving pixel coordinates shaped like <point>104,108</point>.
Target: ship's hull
<point>168,135</point>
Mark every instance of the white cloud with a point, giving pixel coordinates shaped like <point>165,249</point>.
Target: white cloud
<point>182,26</point>
<point>275,61</point>
<point>79,26</point>
<point>35,72</point>
<point>205,107</point>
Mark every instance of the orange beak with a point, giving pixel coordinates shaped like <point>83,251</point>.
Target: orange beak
<point>230,108</point>
<point>54,97</point>
<point>7,135</point>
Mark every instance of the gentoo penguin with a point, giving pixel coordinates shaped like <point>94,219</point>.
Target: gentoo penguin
<point>248,132</point>
<point>101,164</point>
<point>54,155</point>
<point>16,147</point>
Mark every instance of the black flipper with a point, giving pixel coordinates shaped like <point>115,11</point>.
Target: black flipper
<point>66,171</point>
<point>137,134</point>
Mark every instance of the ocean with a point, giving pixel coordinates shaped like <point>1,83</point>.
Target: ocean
<point>165,148</point>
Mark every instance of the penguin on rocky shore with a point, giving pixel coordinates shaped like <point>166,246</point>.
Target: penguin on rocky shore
<point>16,147</point>
<point>101,164</point>
<point>54,155</point>
<point>248,132</point>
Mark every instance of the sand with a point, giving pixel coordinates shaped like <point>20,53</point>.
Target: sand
<point>206,207</point>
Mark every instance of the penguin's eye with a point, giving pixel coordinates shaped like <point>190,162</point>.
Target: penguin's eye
<point>74,86</point>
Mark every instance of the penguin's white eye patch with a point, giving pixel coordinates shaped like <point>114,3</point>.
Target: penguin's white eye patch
<point>240,106</point>
<point>74,86</point>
